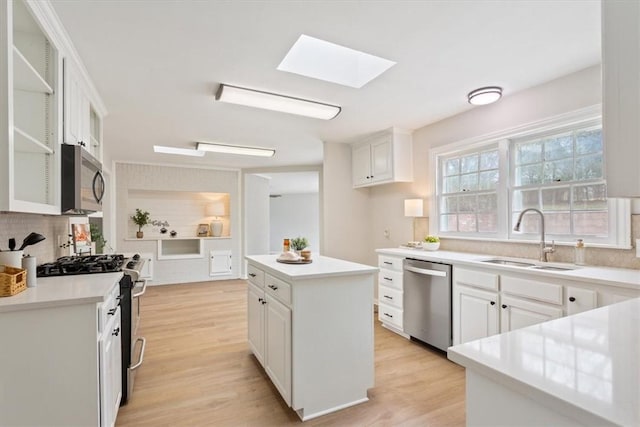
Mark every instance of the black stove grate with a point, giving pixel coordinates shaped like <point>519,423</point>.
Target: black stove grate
<point>92,264</point>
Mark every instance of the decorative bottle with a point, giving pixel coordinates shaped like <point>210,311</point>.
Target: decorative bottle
<point>579,252</point>
<point>285,245</point>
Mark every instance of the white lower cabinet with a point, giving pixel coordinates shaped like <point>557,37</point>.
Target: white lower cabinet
<point>256,320</point>
<point>278,346</point>
<point>110,355</point>
<point>475,314</point>
<point>578,300</point>
<point>518,313</point>
<point>391,293</point>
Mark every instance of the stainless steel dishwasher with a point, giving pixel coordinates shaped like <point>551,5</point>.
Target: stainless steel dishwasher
<point>427,302</point>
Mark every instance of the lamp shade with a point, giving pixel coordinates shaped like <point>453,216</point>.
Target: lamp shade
<point>413,207</point>
<point>215,209</point>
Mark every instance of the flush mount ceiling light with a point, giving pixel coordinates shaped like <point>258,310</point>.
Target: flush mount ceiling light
<point>235,149</point>
<point>484,95</point>
<point>323,60</point>
<point>275,102</point>
<point>175,150</point>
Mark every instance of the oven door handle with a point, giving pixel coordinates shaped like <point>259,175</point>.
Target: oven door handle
<point>144,289</point>
<point>141,359</point>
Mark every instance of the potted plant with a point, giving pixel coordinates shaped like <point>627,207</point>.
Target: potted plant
<point>299,243</point>
<point>431,243</point>
<point>141,218</point>
<point>97,238</point>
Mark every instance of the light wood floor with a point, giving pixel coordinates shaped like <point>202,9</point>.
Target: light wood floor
<point>198,371</point>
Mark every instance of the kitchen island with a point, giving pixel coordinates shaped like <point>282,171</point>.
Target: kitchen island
<point>311,328</point>
<point>582,369</point>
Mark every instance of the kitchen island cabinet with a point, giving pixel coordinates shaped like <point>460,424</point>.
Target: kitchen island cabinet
<point>311,327</point>
<point>577,370</point>
<point>60,362</point>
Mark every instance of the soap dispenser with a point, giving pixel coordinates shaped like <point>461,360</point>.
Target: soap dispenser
<point>579,252</point>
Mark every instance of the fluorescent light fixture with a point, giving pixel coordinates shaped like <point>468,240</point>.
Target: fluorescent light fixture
<point>235,149</point>
<point>275,102</point>
<point>175,150</point>
<point>484,95</point>
<point>323,60</point>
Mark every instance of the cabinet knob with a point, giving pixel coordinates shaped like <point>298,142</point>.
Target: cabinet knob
<point>116,332</point>
<point>572,299</point>
<point>368,177</point>
<point>260,300</point>
<point>504,306</point>
<point>252,274</point>
<point>112,311</point>
<point>493,303</point>
<point>274,287</point>
<point>264,302</point>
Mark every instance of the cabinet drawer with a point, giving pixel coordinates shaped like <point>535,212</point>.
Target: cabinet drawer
<point>390,315</point>
<point>533,289</point>
<point>109,307</point>
<point>578,300</point>
<point>390,296</point>
<point>477,279</point>
<point>255,275</point>
<point>390,263</point>
<point>278,288</point>
<point>391,279</point>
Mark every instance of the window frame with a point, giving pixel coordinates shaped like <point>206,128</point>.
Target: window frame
<point>619,210</point>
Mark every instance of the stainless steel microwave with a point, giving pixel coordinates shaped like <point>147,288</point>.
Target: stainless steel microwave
<point>82,181</point>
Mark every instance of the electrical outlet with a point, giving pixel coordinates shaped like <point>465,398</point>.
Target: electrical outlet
<point>386,233</point>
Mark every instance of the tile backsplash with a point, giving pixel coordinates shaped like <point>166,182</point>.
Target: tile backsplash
<point>19,225</point>
<point>622,258</point>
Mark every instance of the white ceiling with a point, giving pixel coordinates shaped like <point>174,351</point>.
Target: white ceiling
<point>157,65</point>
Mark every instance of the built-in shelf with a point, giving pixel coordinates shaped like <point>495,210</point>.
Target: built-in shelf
<point>154,239</point>
<point>25,76</point>
<point>177,248</point>
<point>25,143</point>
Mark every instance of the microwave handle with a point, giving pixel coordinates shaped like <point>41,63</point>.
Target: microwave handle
<point>95,178</point>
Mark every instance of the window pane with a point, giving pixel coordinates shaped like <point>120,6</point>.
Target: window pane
<point>469,164</point>
<point>451,184</point>
<point>489,160</point>
<point>561,170</point>
<point>487,202</point>
<point>589,167</point>
<point>529,153</point>
<point>591,223</point>
<point>526,175</point>
<point>590,197</point>
<point>560,147</point>
<point>555,199</point>
<point>449,222</point>
<point>469,182</point>
<point>449,204</point>
<point>467,204</point>
<point>488,180</point>
<point>524,199</point>
<point>467,222</point>
<point>452,167</point>
<point>530,222</point>
<point>589,141</point>
<point>557,223</point>
<point>488,222</point>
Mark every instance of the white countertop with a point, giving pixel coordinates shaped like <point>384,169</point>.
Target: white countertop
<point>62,290</point>
<point>320,267</point>
<point>622,277</point>
<point>586,362</point>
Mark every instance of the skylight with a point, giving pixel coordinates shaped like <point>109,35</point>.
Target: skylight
<point>333,63</point>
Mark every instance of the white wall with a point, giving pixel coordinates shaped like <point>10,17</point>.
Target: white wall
<point>256,218</point>
<point>294,215</point>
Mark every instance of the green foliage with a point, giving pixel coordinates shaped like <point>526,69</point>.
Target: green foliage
<point>432,239</point>
<point>141,218</point>
<point>299,243</point>
<point>97,237</point>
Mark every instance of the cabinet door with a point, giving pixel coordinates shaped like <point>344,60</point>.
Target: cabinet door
<point>516,313</point>
<point>110,371</point>
<point>578,300</point>
<point>278,347</point>
<point>361,164</point>
<point>381,160</point>
<point>255,314</point>
<point>475,314</point>
<point>72,105</point>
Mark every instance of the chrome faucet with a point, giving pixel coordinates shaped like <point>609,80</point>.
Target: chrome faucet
<point>544,249</point>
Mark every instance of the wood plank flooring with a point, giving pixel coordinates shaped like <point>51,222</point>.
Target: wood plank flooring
<point>198,371</point>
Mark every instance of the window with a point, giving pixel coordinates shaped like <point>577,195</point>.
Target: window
<point>556,167</point>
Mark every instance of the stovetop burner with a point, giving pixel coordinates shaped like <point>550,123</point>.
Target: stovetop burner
<point>91,264</point>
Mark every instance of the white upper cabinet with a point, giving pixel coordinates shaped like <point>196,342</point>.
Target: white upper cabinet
<point>621,96</point>
<point>29,111</point>
<point>382,158</point>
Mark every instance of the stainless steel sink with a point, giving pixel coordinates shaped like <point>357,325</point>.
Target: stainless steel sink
<point>510,263</point>
<point>551,268</point>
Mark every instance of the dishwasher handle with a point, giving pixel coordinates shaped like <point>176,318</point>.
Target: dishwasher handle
<point>426,272</point>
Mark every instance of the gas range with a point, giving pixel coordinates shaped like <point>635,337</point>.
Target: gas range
<point>91,264</point>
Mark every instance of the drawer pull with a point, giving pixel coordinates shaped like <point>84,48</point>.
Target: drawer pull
<point>504,306</point>
<point>274,287</point>
<point>388,263</point>
<point>252,274</point>
<point>264,302</point>
<point>389,279</point>
<point>493,303</point>
<point>112,311</point>
<point>260,300</point>
<point>116,332</point>
<point>388,297</point>
<point>572,299</point>
<point>388,315</point>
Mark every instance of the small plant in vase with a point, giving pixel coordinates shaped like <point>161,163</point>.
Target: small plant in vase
<point>431,243</point>
<point>299,243</point>
<point>141,218</point>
